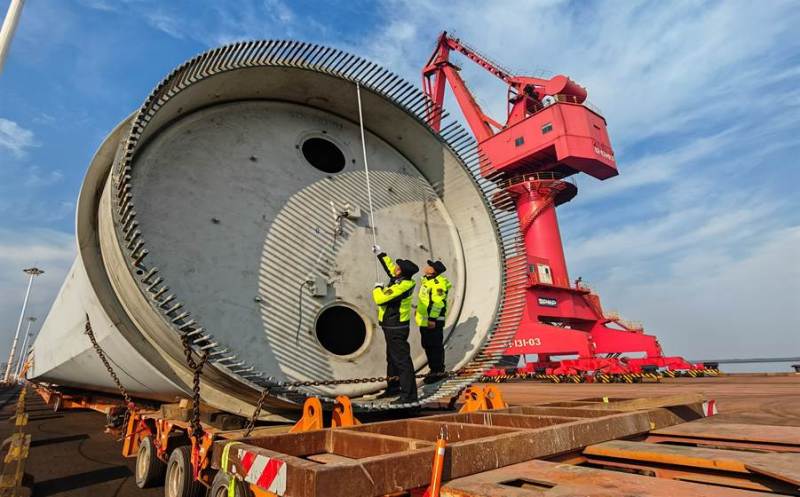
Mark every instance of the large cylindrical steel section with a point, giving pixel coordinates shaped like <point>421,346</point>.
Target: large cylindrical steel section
<point>230,211</point>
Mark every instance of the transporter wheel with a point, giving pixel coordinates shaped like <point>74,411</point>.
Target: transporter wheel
<point>149,468</point>
<point>179,481</point>
<point>219,488</point>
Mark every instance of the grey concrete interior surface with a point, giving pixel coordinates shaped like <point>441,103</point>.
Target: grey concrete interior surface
<point>232,209</point>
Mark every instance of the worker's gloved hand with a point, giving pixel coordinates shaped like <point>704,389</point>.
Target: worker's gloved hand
<point>431,324</point>
<point>376,249</point>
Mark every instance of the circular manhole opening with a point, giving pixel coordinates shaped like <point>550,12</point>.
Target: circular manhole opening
<point>341,330</point>
<point>323,154</point>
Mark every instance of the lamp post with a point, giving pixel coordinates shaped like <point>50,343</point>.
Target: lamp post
<point>23,352</point>
<point>9,26</point>
<point>32,272</point>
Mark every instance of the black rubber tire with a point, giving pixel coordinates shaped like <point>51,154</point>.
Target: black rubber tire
<point>219,488</point>
<point>179,481</point>
<point>149,468</point>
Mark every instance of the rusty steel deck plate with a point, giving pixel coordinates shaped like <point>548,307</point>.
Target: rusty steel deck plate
<point>783,467</point>
<point>764,438</point>
<point>393,456</point>
<point>766,434</point>
<point>547,479</point>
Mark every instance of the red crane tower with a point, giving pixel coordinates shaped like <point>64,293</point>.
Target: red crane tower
<point>549,135</point>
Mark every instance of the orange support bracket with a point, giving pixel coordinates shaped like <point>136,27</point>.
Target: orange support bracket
<point>312,416</point>
<point>474,400</point>
<point>45,393</point>
<point>488,398</point>
<point>165,427</point>
<point>133,435</point>
<point>494,398</point>
<point>342,414</point>
<point>201,459</point>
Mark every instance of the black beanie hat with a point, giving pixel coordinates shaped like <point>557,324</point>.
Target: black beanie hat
<point>437,266</point>
<point>408,268</point>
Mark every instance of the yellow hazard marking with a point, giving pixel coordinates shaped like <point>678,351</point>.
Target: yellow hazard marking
<point>226,453</point>
<point>16,453</point>
<point>8,481</point>
<point>18,449</point>
<point>232,471</point>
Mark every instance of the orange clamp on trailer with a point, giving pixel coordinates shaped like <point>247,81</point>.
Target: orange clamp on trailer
<point>488,398</point>
<point>135,430</point>
<point>312,416</point>
<point>342,414</point>
<point>200,457</point>
<point>493,398</point>
<point>474,400</point>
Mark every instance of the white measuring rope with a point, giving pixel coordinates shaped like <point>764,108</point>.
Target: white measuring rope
<point>366,175</point>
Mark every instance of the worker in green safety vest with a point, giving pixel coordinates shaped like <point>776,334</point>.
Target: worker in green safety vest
<point>394,317</point>
<point>430,316</point>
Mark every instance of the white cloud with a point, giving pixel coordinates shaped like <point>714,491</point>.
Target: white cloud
<point>106,5</point>
<point>676,232</point>
<point>653,67</point>
<point>110,5</point>
<point>35,209</point>
<point>166,23</point>
<point>710,305</point>
<point>15,138</point>
<point>658,167</point>
<point>251,19</point>
<point>37,178</point>
<point>279,10</point>
<point>215,24</point>
<point>44,118</point>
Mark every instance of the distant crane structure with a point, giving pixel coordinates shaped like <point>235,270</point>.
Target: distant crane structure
<point>550,134</point>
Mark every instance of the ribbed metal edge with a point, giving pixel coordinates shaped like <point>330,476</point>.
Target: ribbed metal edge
<point>284,53</point>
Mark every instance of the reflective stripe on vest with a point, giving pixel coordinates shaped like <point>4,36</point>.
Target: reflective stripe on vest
<point>387,295</point>
<point>432,299</point>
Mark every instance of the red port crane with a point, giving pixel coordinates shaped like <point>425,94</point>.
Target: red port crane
<point>550,134</point>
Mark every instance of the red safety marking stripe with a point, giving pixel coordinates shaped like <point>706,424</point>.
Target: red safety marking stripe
<point>247,461</point>
<point>269,473</point>
<point>265,472</point>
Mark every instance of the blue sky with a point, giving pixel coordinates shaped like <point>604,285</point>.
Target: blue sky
<point>698,237</point>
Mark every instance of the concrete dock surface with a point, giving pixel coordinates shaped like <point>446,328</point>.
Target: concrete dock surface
<point>71,455</point>
<point>771,399</point>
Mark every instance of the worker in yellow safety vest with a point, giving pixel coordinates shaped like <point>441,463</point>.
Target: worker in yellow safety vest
<point>394,316</point>
<point>430,316</point>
